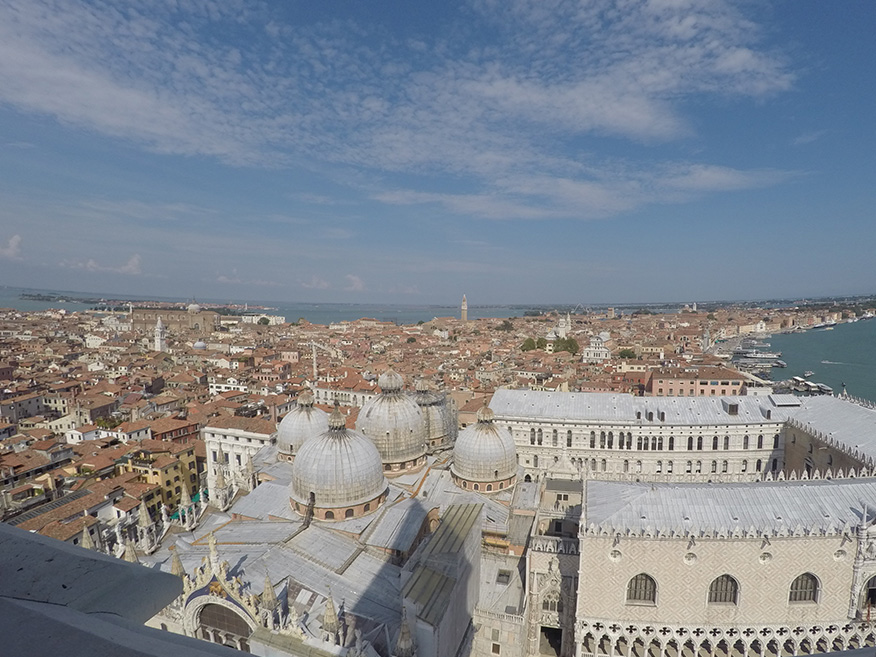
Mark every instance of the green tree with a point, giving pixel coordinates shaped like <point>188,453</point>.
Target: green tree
<point>528,344</point>
<point>412,339</point>
<point>506,326</point>
<point>627,353</point>
<point>566,344</point>
<point>264,321</point>
<point>541,343</point>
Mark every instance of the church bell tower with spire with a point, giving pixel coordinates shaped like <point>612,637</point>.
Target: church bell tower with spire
<point>463,310</point>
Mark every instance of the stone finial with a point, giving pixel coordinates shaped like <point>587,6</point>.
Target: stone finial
<point>185,499</point>
<point>330,623</point>
<point>143,519</point>
<point>176,566</point>
<point>215,566</point>
<point>87,542</point>
<point>130,553</point>
<point>404,645</point>
<point>269,598</point>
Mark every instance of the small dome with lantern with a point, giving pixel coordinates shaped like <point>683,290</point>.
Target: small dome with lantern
<point>304,421</point>
<point>338,474</point>
<point>395,424</point>
<point>484,457</point>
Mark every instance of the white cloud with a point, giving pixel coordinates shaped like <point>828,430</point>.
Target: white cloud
<point>12,250</point>
<point>130,268</point>
<point>316,283</point>
<point>354,283</point>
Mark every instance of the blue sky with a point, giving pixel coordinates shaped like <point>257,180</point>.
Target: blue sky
<point>512,150</point>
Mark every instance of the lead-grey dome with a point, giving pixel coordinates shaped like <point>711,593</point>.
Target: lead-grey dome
<point>438,417</point>
<point>340,467</point>
<point>484,451</point>
<point>394,422</point>
<point>304,421</point>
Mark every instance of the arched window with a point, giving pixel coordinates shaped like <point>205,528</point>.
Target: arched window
<point>535,461</point>
<point>726,442</point>
<point>724,466</point>
<point>669,467</point>
<point>477,487</point>
<point>489,487</point>
<point>714,467</point>
<point>367,508</point>
<point>660,443</point>
<point>592,439</point>
<point>776,441</point>
<point>639,442</point>
<point>760,441</point>
<point>745,441</point>
<point>538,436</point>
<point>759,465</point>
<point>724,590</point>
<point>715,443</point>
<point>642,588</point>
<point>699,443</point>
<point>601,440</point>
<point>532,436</point>
<point>329,515</point>
<point>744,466</point>
<point>348,513</point>
<point>804,589</point>
<point>690,443</point>
<point>554,438</point>
<point>569,438</point>
<point>671,443</point>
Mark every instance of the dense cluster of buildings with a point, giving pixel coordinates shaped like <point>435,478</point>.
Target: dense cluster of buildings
<point>373,490</point>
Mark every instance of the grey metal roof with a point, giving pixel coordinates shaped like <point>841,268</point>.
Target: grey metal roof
<point>849,423</point>
<point>597,407</point>
<point>399,525</point>
<point>763,507</point>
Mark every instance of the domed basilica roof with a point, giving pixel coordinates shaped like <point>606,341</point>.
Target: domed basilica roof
<point>302,422</point>
<point>340,467</point>
<point>393,421</point>
<point>484,451</point>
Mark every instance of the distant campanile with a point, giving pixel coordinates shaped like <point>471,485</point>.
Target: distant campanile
<point>463,310</point>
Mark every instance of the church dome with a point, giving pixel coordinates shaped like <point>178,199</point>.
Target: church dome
<point>394,423</point>
<point>484,457</point>
<point>341,469</point>
<point>200,345</point>
<point>301,423</point>
<point>194,308</point>
<point>439,418</point>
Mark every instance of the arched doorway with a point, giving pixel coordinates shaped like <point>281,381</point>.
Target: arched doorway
<point>224,626</point>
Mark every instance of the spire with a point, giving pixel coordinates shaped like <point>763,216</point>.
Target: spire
<point>143,519</point>
<point>185,500</point>
<point>404,645</point>
<point>176,566</point>
<point>87,542</point>
<point>330,622</point>
<point>269,598</point>
<point>220,478</point>
<point>130,553</point>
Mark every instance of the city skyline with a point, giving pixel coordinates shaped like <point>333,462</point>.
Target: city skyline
<point>382,152</point>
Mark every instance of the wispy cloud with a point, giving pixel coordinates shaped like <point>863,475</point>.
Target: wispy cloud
<point>318,94</point>
<point>354,283</point>
<point>12,250</point>
<point>316,283</point>
<point>808,137</point>
<point>130,268</point>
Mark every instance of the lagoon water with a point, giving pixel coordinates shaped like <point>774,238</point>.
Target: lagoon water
<point>846,354</point>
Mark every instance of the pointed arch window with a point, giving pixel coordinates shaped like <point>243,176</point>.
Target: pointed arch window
<point>642,589</point>
<point>724,590</point>
<point>804,589</point>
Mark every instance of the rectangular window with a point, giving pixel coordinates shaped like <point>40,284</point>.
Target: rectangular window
<point>496,648</point>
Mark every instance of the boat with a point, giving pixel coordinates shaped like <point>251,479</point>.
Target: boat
<point>808,373</point>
